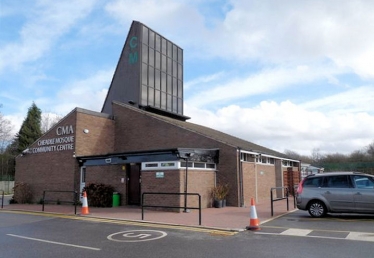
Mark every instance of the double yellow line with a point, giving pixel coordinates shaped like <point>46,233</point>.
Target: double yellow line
<point>212,231</point>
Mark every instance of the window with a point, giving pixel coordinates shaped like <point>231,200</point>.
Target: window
<point>337,182</point>
<point>210,165</point>
<point>183,164</point>
<point>167,164</point>
<point>313,182</point>
<point>161,166</point>
<point>198,165</point>
<point>363,182</point>
<point>151,165</point>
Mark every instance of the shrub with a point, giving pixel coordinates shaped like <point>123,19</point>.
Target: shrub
<point>99,195</point>
<point>22,193</point>
<point>220,191</point>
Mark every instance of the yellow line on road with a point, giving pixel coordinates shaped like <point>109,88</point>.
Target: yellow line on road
<point>216,232</point>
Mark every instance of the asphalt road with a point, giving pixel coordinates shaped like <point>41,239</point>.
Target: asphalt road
<point>47,235</point>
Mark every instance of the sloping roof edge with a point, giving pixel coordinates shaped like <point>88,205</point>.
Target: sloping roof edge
<point>213,134</point>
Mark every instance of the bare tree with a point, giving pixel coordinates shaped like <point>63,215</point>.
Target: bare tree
<point>5,132</point>
<point>316,155</point>
<point>335,158</point>
<point>370,150</point>
<point>49,120</point>
<point>357,156</point>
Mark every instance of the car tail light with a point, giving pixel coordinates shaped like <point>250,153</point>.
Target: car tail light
<point>300,186</point>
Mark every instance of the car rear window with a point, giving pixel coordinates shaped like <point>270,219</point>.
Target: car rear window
<point>313,182</point>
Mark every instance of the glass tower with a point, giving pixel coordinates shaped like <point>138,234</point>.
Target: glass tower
<point>149,74</point>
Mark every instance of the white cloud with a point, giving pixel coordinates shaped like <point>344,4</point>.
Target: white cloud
<point>264,82</point>
<point>286,45</point>
<point>88,93</point>
<point>289,126</point>
<point>294,31</point>
<point>45,23</point>
<point>355,100</point>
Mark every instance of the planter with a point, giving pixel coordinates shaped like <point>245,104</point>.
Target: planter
<point>218,203</point>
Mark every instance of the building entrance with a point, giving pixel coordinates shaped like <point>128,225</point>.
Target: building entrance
<point>82,181</point>
<point>134,183</point>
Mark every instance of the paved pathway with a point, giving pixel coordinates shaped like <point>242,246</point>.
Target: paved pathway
<point>233,218</point>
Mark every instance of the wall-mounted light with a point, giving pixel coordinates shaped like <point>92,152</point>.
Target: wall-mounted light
<point>86,130</point>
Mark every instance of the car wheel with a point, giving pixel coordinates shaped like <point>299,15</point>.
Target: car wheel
<point>317,209</point>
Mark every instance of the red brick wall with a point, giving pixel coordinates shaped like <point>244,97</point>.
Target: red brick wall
<point>53,170</point>
<point>141,132</point>
<point>99,140</point>
<point>109,175</point>
<point>291,177</point>
<point>199,181</point>
<point>59,169</point>
<point>171,183</point>
<point>265,176</point>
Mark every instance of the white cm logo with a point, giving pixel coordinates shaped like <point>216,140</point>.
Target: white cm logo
<point>137,235</point>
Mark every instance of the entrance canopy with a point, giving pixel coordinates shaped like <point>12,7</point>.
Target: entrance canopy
<point>202,155</point>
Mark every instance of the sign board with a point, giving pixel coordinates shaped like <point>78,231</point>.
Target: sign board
<point>160,175</point>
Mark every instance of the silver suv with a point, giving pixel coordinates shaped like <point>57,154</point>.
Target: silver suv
<point>336,192</point>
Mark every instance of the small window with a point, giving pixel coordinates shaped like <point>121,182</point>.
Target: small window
<point>167,164</point>
<point>183,164</point>
<point>211,165</point>
<point>199,165</point>
<point>151,165</point>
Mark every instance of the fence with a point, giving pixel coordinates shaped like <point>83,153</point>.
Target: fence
<point>7,186</point>
<point>174,207</point>
<point>75,199</point>
<point>272,200</point>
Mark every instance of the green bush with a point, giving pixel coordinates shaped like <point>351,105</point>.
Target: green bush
<point>99,195</point>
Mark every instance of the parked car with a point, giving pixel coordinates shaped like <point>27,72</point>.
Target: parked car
<point>336,192</point>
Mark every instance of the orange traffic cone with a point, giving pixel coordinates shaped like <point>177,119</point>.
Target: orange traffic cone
<point>84,204</point>
<point>254,222</point>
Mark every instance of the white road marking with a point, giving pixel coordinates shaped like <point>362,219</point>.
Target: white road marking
<point>296,232</point>
<point>360,236</point>
<point>56,243</point>
<point>137,235</point>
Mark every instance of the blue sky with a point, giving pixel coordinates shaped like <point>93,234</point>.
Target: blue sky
<point>288,75</point>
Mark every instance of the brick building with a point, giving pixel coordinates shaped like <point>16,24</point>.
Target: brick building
<point>142,142</point>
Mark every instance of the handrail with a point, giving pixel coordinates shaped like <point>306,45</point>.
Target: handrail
<point>272,200</point>
<point>2,200</point>
<point>51,191</point>
<point>175,207</point>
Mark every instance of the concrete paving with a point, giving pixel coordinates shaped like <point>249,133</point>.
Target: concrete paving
<point>228,218</point>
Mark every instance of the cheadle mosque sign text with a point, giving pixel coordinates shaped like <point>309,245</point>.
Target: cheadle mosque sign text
<point>63,141</point>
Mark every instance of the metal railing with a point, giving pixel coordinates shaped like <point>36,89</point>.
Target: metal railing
<point>2,200</point>
<point>272,200</point>
<point>75,199</point>
<point>173,207</point>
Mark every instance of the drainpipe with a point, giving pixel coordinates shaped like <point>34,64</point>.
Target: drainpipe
<point>256,194</point>
<point>241,188</point>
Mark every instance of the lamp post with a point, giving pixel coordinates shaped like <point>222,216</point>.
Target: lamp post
<point>186,181</point>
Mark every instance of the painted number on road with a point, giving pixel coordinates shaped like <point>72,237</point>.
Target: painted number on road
<point>137,235</point>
